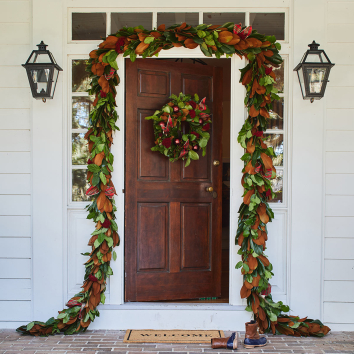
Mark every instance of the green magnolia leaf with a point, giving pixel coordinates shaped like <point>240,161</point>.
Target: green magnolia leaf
<point>249,309</point>
<point>113,64</point>
<point>109,241</point>
<point>188,162</point>
<point>61,315</point>
<point>132,57</point>
<point>272,317</point>
<point>93,168</point>
<point>267,274</point>
<point>148,40</point>
<point>103,178</point>
<point>114,255</point>
<point>97,243</point>
<point>30,326</point>
<point>167,109</point>
<point>193,155</point>
<point>246,267</point>
<point>95,179</point>
<point>103,298</point>
<point>296,325</point>
<point>203,142</point>
<point>239,265</point>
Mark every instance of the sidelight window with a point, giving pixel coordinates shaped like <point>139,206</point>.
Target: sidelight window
<point>81,105</point>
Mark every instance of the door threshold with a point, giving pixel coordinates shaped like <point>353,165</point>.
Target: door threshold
<point>172,306</point>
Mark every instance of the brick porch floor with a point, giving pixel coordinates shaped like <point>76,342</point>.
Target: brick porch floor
<point>101,342</point>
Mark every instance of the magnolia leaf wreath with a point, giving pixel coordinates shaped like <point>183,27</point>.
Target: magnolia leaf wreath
<point>262,54</point>
<point>170,139</point>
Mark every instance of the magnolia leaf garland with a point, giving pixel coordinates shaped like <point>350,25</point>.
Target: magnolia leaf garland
<point>262,53</point>
<point>170,139</point>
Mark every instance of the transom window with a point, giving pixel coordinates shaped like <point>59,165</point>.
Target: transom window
<point>88,26</point>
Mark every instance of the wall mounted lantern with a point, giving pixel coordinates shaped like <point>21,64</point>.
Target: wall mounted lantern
<point>42,71</point>
<point>313,72</point>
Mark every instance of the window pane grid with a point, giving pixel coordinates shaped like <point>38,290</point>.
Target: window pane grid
<point>81,105</point>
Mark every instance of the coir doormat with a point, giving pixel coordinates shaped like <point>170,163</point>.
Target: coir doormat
<point>170,336</point>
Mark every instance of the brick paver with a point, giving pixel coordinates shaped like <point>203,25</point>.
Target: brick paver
<point>102,342</point>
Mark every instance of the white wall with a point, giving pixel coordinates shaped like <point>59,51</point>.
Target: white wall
<point>15,165</point>
<point>338,284</point>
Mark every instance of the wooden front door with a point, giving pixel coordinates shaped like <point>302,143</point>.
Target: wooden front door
<point>172,224</point>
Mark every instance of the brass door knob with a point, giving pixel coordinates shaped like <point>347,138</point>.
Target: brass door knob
<point>216,163</point>
<point>209,189</point>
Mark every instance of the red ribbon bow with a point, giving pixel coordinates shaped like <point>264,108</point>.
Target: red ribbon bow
<point>242,33</point>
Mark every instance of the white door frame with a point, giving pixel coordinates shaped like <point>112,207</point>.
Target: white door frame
<point>236,166</point>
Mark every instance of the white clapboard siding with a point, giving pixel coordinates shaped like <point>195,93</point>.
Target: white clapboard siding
<point>345,30</point>
<point>335,54</point>
<point>339,97</point>
<point>15,310</point>
<point>340,12</point>
<point>15,97</point>
<point>343,75</point>
<point>340,184</point>
<point>339,162</point>
<point>339,226</point>
<point>339,291</point>
<point>334,311</point>
<point>339,140</point>
<point>15,269</point>
<point>15,289</point>
<point>10,11</point>
<point>15,183</point>
<point>15,162</point>
<point>338,205</point>
<point>339,248</point>
<point>12,247</point>
<point>15,118</point>
<point>15,140</point>
<point>18,33</point>
<point>15,54</point>
<point>15,226</point>
<point>339,119</point>
<point>15,205</point>
<point>15,166</point>
<point>339,269</point>
<point>13,76</point>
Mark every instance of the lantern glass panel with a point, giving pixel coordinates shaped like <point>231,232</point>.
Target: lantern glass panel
<point>315,79</point>
<point>41,81</point>
<point>301,79</point>
<point>55,79</point>
<point>39,58</point>
<point>314,58</point>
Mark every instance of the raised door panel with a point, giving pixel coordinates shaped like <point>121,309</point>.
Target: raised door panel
<point>199,170</point>
<point>153,83</point>
<point>151,165</point>
<point>202,85</point>
<point>196,234</point>
<point>152,237</point>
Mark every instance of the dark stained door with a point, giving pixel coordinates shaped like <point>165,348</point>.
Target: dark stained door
<point>172,224</point>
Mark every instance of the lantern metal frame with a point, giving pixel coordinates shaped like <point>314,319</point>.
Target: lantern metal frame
<point>305,66</point>
<point>51,65</point>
